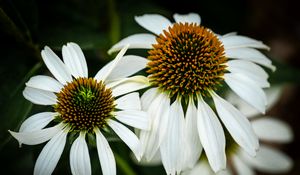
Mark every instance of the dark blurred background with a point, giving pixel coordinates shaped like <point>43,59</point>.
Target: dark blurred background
<point>27,26</point>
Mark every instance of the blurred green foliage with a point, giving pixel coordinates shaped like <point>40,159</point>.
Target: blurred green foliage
<point>27,26</point>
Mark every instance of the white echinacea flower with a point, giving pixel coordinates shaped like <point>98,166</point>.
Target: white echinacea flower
<point>268,158</point>
<point>187,64</point>
<point>83,105</point>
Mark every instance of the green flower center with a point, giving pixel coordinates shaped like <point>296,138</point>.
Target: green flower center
<point>85,104</point>
<point>188,59</point>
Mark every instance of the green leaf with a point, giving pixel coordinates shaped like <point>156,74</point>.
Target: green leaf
<point>15,109</point>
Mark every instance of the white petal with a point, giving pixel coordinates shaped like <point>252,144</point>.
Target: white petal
<point>194,146</point>
<point>237,125</point>
<point>127,66</point>
<point>79,157</point>
<point>225,172</point>
<point>127,85</point>
<point>39,97</point>
<point>247,90</point>
<point>273,130</point>
<point>129,102</point>
<point>251,70</point>
<point>250,54</point>
<point>273,95</point>
<point>106,70</point>
<point>75,60</point>
<point>148,97</point>
<point>158,112</point>
<point>136,41</point>
<point>105,154</point>
<point>201,168</point>
<point>173,146</point>
<point>155,161</point>
<point>269,160</point>
<point>129,138</point>
<point>189,18</point>
<point>240,104</point>
<point>51,153</point>
<point>248,67</point>
<point>238,41</point>
<point>44,83</point>
<point>211,136</point>
<point>240,167</point>
<point>38,136</point>
<point>37,121</point>
<point>56,66</point>
<point>135,118</point>
<point>153,22</point>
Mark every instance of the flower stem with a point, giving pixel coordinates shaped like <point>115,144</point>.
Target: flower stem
<point>114,28</point>
<point>123,165</point>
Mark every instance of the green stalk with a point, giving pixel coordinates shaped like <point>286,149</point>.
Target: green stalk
<point>123,165</point>
<point>114,28</point>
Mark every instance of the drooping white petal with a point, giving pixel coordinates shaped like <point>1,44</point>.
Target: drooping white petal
<point>225,172</point>
<point>189,18</point>
<point>251,70</point>
<point>271,129</point>
<point>194,147</point>
<point>135,118</point>
<point>75,60</point>
<point>153,22</point>
<point>79,157</point>
<point>105,154</point>
<point>241,167</point>
<point>211,136</point>
<point>173,146</point>
<point>247,67</point>
<point>269,160</point>
<point>44,83</point>
<point>50,155</point>
<point>106,70</point>
<point>158,112</point>
<point>247,90</point>
<point>37,136</point>
<point>273,94</point>
<point>136,41</point>
<point>200,168</point>
<point>240,104</point>
<point>127,85</point>
<point>56,66</point>
<point>155,161</point>
<point>238,41</point>
<point>129,138</point>
<point>237,125</point>
<point>147,98</point>
<point>37,121</point>
<point>129,102</point>
<point>127,66</point>
<point>250,54</point>
<point>39,97</point>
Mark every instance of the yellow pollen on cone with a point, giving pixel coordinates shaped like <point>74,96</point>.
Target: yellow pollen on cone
<point>187,59</point>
